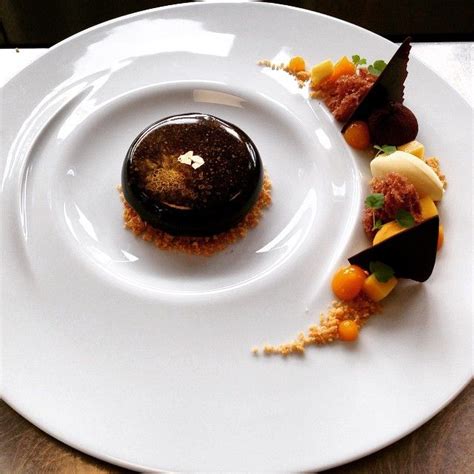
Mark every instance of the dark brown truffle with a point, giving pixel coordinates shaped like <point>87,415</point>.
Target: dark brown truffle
<point>192,175</point>
<point>392,124</point>
<point>411,253</point>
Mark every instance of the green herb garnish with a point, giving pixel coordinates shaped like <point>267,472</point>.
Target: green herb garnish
<point>380,65</point>
<point>382,272</point>
<point>358,61</point>
<point>377,224</point>
<point>377,67</point>
<point>404,218</point>
<point>375,201</point>
<point>386,149</point>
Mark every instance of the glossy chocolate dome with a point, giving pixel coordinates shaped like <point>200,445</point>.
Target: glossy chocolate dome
<point>192,174</point>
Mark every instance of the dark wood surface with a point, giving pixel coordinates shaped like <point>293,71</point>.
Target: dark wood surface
<point>444,445</point>
<point>33,23</point>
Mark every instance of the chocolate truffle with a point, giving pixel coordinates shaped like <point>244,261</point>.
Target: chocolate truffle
<point>392,124</point>
<point>192,174</point>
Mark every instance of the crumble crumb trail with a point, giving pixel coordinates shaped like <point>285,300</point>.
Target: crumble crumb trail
<point>203,246</point>
<point>301,77</point>
<point>358,310</point>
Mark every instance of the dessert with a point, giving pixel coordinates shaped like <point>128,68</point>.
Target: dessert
<point>204,246</point>
<point>410,253</point>
<point>416,171</point>
<point>400,216</point>
<point>389,194</point>
<point>192,174</point>
<point>388,87</point>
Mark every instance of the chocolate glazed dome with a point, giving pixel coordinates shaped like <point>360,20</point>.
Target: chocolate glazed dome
<point>192,174</point>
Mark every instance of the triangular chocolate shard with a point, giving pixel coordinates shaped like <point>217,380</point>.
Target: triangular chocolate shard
<point>411,253</point>
<point>388,87</point>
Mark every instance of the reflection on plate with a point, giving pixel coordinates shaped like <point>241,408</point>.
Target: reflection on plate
<point>142,357</point>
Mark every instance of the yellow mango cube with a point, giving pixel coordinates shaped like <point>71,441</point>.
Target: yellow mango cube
<point>414,148</point>
<point>321,71</point>
<point>296,64</point>
<point>387,230</point>
<point>377,290</point>
<point>428,208</point>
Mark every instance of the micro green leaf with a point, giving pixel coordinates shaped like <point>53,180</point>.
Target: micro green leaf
<point>358,61</point>
<point>382,272</point>
<point>404,218</point>
<point>380,64</point>
<point>386,149</point>
<point>377,224</point>
<point>377,67</point>
<point>373,71</point>
<point>375,201</point>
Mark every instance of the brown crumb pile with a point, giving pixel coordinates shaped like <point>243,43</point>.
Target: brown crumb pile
<point>203,246</point>
<point>343,95</point>
<point>359,310</point>
<point>433,163</point>
<point>302,77</point>
<point>398,193</point>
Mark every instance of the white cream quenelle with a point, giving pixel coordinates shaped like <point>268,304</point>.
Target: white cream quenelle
<point>421,175</point>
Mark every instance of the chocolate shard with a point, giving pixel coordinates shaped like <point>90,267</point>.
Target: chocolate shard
<point>411,253</point>
<point>387,88</point>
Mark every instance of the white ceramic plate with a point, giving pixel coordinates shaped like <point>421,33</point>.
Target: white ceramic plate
<point>142,357</point>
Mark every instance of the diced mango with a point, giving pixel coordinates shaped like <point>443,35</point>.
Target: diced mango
<point>377,290</point>
<point>440,237</point>
<point>343,67</point>
<point>414,148</point>
<point>428,208</point>
<point>296,64</point>
<point>388,230</point>
<point>321,71</point>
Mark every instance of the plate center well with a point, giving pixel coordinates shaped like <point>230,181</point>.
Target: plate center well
<point>312,184</point>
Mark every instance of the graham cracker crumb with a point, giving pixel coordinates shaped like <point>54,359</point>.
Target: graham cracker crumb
<point>433,163</point>
<point>358,310</point>
<point>301,77</point>
<point>202,246</point>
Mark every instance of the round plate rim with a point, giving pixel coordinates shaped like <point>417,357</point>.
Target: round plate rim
<point>134,466</point>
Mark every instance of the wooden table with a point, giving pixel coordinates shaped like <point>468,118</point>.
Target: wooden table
<point>443,445</point>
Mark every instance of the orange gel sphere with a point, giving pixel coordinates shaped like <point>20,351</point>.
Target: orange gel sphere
<point>357,135</point>
<point>347,282</point>
<point>348,330</point>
